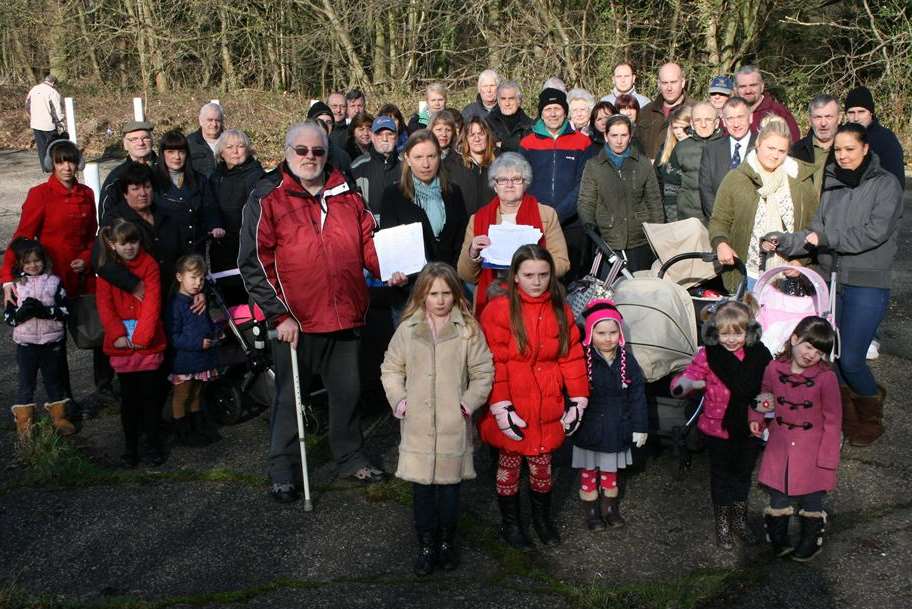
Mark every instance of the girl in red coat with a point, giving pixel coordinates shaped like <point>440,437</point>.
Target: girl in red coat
<point>537,357</point>
<point>802,454</point>
<point>134,340</point>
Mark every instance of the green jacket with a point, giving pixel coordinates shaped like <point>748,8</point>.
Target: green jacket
<point>685,161</point>
<point>619,201</point>
<point>732,220</point>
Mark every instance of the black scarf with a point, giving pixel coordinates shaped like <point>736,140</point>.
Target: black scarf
<point>742,378</point>
<point>852,177</point>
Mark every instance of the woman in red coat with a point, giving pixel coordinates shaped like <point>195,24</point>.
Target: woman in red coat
<point>60,214</point>
<point>537,356</point>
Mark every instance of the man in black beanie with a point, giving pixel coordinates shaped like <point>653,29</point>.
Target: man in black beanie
<point>859,108</point>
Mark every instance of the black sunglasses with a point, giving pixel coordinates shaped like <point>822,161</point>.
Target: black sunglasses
<point>303,150</point>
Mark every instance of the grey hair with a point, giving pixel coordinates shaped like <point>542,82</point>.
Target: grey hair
<point>512,85</point>
<point>819,101</point>
<point>704,104</point>
<point>50,79</point>
<point>436,87</point>
<point>554,82</point>
<point>510,161</point>
<point>748,70</point>
<point>581,94</point>
<point>735,101</point>
<point>213,106</point>
<point>489,73</point>
<point>308,125</point>
<point>232,134</point>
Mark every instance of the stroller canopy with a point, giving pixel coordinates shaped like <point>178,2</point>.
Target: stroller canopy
<point>661,326</point>
<point>668,240</point>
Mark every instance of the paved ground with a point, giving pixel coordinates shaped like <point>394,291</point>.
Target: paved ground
<point>201,532</point>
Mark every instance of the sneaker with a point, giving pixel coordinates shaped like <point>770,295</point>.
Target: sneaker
<point>283,492</point>
<point>873,350</point>
<point>368,475</point>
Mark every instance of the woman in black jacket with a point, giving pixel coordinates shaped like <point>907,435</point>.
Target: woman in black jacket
<point>467,166</point>
<point>424,195</point>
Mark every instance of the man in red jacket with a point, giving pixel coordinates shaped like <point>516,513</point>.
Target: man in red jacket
<point>305,239</point>
<point>749,85</point>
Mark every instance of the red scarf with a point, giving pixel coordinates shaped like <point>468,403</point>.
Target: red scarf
<point>527,214</point>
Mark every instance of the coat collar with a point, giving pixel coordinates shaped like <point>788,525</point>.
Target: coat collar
<point>422,329</point>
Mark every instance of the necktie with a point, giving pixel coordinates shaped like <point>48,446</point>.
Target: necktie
<point>736,158</point>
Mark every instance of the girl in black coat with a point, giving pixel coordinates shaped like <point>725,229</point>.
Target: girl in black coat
<point>615,419</point>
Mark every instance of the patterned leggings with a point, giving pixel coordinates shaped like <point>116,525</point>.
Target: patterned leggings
<point>589,478</point>
<point>508,465</point>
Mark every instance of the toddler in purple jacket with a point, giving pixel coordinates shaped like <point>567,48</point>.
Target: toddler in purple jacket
<point>802,454</point>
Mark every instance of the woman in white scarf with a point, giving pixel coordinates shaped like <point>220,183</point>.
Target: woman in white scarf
<point>769,189</point>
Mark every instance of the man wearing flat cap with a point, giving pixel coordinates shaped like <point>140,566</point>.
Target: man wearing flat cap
<point>137,141</point>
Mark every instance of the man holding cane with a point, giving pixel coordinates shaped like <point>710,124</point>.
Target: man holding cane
<point>305,240</point>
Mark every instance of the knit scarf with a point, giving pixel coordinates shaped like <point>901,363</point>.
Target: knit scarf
<point>423,117</point>
<point>775,212</point>
<point>429,198</point>
<point>742,378</point>
<point>852,177</point>
<point>527,214</point>
<point>617,159</point>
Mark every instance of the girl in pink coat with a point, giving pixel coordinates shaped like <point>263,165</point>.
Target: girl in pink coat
<point>802,454</point>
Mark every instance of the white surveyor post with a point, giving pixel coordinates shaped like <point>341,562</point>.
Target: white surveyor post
<point>70,117</point>
<point>138,113</point>
<point>93,180</point>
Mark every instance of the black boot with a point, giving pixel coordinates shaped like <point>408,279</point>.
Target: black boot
<point>447,552</point>
<point>204,427</point>
<point>813,526</point>
<point>739,524</point>
<point>542,521</point>
<point>611,511</point>
<point>511,529</point>
<point>776,523</point>
<point>185,435</point>
<point>591,515</point>
<point>424,560</point>
<point>724,536</point>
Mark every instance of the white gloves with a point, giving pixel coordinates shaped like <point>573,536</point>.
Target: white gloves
<point>639,439</point>
<point>507,420</point>
<point>686,385</point>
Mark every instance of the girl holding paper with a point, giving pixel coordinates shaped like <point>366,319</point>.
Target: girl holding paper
<point>509,176</point>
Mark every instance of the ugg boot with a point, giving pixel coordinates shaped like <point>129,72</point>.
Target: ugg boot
<point>776,523</point>
<point>813,526</point>
<point>25,416</point>
<point>611,510</point>
<point>591,515</point>
<point>724,538</point>
<point>58,418</point>
<point>739,524</point>
<point>849,412</point>
<point>511,529</point>
<point>870,418</point>
<point>542,521</point>
<point>424,560</point>
<point>447,552</point>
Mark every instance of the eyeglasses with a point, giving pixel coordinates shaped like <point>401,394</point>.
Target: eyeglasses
<point>303,150</point>
<point>507,181</point>
<point>139,138</point>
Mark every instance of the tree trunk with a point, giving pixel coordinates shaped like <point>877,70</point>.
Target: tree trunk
<point>380,50</point>
<point>357,68</point>
<point>229,79</point>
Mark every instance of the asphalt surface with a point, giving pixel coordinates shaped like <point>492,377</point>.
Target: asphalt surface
<point>200,531</point>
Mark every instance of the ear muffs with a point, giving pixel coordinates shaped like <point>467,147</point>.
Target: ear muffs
<point>710,334</point>
<point>753,333</point>
<point>48,161</point>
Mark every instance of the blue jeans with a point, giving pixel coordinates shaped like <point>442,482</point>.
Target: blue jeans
<point>859,312</point>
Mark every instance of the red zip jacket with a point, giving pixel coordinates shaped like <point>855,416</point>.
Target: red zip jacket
<point>116,305</point>
<point>293,266</point>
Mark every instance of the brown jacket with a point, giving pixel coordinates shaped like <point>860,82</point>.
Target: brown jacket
<point>435,378</point>
<point>651,125</point>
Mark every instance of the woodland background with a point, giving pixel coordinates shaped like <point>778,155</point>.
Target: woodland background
<point>264,59</point>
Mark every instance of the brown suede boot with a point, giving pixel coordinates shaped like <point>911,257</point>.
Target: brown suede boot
<point>870,418</point>
<point>57,411</point>
<point>25,416</point>
<point>849,412</point>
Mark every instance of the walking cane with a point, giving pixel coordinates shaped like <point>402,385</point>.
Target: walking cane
<point>299,408</point>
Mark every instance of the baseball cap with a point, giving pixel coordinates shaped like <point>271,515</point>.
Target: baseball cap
<point>383,122</point>
<point>721,84</point>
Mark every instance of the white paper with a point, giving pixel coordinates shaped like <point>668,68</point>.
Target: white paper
<point>400,249</point>
<point>506,239</point>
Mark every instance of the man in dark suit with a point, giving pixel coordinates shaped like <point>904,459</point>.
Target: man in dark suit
<point>722,155</point>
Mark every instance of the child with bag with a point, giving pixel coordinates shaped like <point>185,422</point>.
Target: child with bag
<point>537,356</point>
<point>436,372</point>
<point>134,340</point>
<point>730,368</point>
<point>616,417</point>
<point>192,337</point>
<point>802,455</point>
<point>38,331</point>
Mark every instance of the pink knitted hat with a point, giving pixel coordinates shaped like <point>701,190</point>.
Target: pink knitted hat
<point>600,309</point>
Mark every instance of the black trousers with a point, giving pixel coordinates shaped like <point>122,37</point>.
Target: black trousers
<point>731,464</point>
<point>436,506</point>
<point>142,396</point>
<point>50,360</point>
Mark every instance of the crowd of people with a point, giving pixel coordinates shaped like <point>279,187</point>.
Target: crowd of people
<point>473,344</point>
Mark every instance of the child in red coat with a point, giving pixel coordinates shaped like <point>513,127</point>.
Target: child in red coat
<point>537,356</point>
<point>802,454</point>
<point>134,340</point>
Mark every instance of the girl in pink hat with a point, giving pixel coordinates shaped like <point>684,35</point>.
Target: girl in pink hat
<point>616,418</point>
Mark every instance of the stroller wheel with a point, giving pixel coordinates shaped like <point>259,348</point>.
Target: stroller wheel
<point>225,402</point>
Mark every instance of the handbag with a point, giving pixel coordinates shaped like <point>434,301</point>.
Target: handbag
<point>83,323</point>
<point>581,291</point>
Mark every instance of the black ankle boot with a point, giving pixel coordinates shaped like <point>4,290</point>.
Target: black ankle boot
<point>424,560</point>
<point>611,512</point>
<point>511,529</point>
<point>542,521</point>
<point>447,552</point>
<point>776,523</point>
<point>813,526</point>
